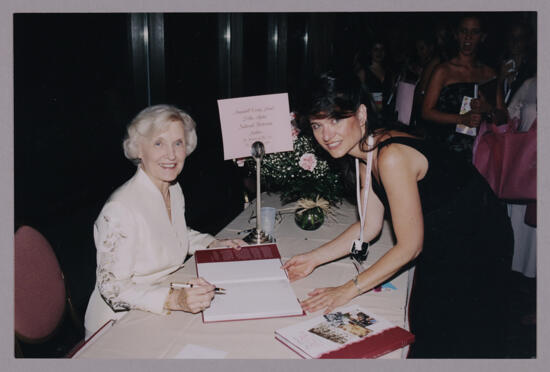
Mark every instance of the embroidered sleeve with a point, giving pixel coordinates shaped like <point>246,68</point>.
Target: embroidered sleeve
<point>115,235</point>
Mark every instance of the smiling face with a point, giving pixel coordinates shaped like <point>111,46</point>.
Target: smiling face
<point>163,153</point>
<point>469,35</point>
<point>340,136</point>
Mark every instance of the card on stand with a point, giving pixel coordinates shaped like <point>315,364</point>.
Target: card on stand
<point>246,120</point>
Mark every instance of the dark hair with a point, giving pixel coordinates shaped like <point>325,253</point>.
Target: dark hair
<point>338,96</point>
<point>332,96</point>
<point>464,15</point>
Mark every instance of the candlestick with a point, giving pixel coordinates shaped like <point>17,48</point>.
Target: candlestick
<point>258,236</point>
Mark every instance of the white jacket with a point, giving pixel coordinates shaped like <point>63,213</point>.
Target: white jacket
<point>137,247</point>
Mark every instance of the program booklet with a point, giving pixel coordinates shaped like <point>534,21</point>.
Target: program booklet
<point>350,332</point>
<point>255,285</point>
<point>464,108</point>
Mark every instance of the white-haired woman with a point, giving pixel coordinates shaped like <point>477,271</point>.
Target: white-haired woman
<point>141,235</point>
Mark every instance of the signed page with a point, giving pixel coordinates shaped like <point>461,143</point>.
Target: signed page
<point>245,120</point>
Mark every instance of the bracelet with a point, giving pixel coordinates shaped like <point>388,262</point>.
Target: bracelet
<point>357,285</point>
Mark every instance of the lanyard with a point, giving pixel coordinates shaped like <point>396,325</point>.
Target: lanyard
<point>366,187</point>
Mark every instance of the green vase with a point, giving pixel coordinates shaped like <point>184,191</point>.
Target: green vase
<point>309,219</point>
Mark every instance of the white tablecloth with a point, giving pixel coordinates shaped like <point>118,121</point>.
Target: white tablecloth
<point>141,334</point>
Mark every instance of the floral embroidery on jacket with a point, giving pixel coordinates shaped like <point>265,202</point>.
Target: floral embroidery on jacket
<point>112,239</point>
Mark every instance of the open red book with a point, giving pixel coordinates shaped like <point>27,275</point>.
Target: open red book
<point>255,285</point>
<point>350,332</point>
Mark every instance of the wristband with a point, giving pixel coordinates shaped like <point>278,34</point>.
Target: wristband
<point>357,285</point>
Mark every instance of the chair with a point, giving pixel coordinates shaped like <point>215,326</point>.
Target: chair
<point>41,299</point>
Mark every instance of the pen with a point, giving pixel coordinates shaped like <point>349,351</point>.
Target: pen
<point>187,285</point>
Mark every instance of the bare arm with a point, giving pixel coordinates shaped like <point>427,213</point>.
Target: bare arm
<point>302,265</point>
<point>422,85</point>
<point>429,111</point>
<point>426,74</point>
<point>399,174</point>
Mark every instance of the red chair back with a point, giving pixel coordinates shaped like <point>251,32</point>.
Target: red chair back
<point>39,286</point>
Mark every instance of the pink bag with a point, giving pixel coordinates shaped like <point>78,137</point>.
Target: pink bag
<point>508,159</point>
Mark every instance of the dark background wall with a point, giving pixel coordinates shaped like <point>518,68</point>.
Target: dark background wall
<point>80,78</point>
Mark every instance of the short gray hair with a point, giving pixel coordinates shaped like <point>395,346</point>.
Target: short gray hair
<point>156,117</point>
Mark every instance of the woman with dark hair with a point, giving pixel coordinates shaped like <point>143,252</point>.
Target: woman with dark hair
<point>455,79</point>
<point>375,75</point>
<point>445,217</point>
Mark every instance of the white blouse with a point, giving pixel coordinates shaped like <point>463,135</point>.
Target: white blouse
<point>524,104</point>
<point>137,247</point>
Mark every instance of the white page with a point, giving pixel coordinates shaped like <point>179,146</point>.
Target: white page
<point>219,273</point>
<point>256,299</point>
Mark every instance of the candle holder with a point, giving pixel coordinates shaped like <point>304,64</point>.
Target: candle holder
<point>258,236</point>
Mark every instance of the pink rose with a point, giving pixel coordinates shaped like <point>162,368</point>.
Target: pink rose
<point>308,162</point>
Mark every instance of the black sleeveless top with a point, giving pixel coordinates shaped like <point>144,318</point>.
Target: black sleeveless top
<point>447,173</point>
<point>465,260</point>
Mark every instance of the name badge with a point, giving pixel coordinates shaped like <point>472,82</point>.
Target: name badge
<point>359,251</point>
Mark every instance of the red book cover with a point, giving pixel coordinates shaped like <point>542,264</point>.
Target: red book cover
<point>251,252</point>
<point>374,346</point>
<point>348,333</point>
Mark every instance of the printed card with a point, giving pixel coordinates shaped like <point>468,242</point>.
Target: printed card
<point>245,120</point>
<point>464,108</point>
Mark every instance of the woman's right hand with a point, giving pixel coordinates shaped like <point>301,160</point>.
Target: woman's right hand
<point>192,300</point>
<point>471,119</point>
<point>299,266</point>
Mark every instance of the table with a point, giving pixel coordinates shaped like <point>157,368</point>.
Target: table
<point>141,334</point>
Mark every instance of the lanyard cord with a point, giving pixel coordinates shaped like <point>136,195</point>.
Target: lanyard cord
<point>366,187</point>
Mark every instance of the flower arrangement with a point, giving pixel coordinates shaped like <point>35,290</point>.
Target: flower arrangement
<point>304,173</point>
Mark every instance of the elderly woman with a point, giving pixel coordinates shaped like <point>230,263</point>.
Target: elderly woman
<point>141,235</point>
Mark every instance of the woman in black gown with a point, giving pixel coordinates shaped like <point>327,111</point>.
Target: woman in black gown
<point>451,81</point>
<point>446,220</point>
<point>376,77</point>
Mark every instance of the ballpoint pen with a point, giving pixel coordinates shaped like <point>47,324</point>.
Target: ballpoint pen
<point>188,285</point>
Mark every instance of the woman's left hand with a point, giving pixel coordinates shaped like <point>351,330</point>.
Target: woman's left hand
<point>329,298</point>
<point>224,243</point>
